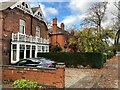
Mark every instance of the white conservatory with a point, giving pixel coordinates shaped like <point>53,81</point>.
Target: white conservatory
<point>24,46</point>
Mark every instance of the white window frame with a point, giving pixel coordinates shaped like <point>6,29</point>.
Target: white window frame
<point>37,31</point>
<point>22,23</point>
<point>14,49</point>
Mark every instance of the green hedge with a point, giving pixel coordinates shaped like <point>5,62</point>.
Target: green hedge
<point>95,60</point>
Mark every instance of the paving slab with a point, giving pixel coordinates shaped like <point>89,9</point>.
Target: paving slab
<point>86,82</point>
<point>105,78</point>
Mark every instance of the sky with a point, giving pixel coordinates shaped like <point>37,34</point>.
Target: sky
<point>71,12</point>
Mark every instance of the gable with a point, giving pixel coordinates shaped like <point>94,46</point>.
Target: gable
<point>38,14</point>
<point>5,5</point>
<point>24,6</point>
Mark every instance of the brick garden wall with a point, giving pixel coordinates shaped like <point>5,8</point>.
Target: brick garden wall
<point>51,77</point>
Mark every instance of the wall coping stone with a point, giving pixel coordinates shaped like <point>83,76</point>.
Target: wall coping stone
<point>27,68</point>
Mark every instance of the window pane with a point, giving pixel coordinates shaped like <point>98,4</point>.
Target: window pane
<point>39,48</point>
<point>22,47</point>
<point>21,54</point>
<point>33,47</point>
<point>14,55</point>
<point>27,53</point>
<point>22,29</point>
<point>38,31</point>
<point>28,47</point>
<point>14,46</point>
<point>22,22</point>
<point>43,48</point>
<point>22,26</point>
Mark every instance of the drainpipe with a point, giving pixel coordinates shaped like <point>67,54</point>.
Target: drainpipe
<point>31,26</point>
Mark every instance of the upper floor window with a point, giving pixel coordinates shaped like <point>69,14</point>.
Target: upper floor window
<point>22,26</point>
<point>37,31</point>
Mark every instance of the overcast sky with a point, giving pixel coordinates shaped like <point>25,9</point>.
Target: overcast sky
<point>71,12</point>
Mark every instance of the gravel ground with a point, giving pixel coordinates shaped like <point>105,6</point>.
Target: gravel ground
<point>106,77</point>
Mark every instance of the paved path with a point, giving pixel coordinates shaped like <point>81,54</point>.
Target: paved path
<point>106,77</point>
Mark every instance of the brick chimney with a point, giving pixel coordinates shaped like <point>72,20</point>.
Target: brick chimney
<point>54,25</point>
<point>62,26</point>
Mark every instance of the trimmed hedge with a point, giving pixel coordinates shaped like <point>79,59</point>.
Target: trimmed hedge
<point>95,60</point>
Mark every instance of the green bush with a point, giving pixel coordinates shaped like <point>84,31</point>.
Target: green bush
<point>110,54</point>
<point>104,57</point>
<point>57,49</point>
<point>95,60</point>
<point>24,84</point>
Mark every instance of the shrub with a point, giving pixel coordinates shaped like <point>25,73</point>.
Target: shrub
<point>95,60</point>
<point>104,57</point>
<point>24,84</point>
<point>110,54</point>
<point>57,49</point>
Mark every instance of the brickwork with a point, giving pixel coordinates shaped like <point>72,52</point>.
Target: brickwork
<point>52,77</point>
<point>10,23</point>
<point>56,37</point>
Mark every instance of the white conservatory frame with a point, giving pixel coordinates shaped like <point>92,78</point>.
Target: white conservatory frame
<point>41,45</point>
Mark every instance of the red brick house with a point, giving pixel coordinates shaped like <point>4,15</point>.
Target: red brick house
<point>24,31</point>
<point>58,36</point>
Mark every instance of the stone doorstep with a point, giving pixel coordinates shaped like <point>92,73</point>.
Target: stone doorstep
<point>86,82</point>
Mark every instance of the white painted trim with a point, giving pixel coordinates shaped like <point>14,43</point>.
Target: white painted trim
<point>39,10</point>
<point>18,50</point>
<point>19,2</point>
<point>28,43</point>
<point>36,51</point>
<point>29,8</point>
<point>47,48</point>
<point>25,52</point>
<point>30,51</point>
<point>14,5</point>
<point>11,54</point>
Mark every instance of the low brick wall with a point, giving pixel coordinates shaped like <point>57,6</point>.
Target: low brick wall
<point>46,76</point>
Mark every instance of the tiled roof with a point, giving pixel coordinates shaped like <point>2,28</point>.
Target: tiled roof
<point>59,31</point>
<point>34,9</point>
<point>5,5</point>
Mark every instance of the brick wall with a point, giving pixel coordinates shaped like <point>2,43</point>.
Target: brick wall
<point>52,77</point>
<point>9,23</point>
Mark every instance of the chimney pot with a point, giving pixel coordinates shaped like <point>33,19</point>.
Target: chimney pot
<point>62,26</point>
<point>55,21</point>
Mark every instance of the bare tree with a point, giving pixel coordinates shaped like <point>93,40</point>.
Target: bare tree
<point>96,14</point>
<point>117,23</point>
